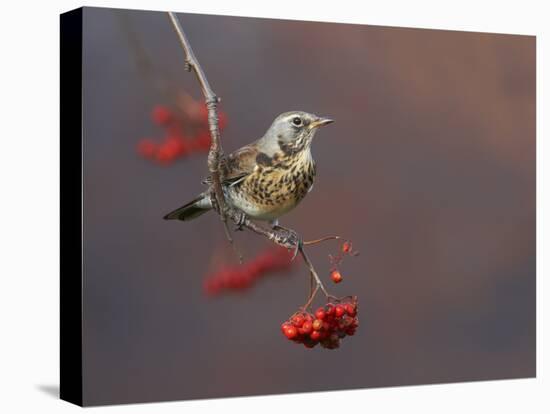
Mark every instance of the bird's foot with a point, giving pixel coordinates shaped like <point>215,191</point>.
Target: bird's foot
<point>289,238</point>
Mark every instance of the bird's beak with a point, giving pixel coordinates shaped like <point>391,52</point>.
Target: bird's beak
<point>319,122</point>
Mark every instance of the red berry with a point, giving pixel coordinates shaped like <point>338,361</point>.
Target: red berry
<point>317,324</point>
<point>336,276</point>
<point>284,326</point>
<point>339,311</point>
<point>350,309</point>
<point>298,320</point>
<point>320,314</point>
<point>329,309</point>
<point>315,335</point>
<point>307,327</point>
<point>346,247</point>
<point>290,332</point>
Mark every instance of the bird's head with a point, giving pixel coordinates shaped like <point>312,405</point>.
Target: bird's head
<point>293,131</point>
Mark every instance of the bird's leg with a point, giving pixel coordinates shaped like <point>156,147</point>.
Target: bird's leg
<point>290,237</point>
<point>213,201</point>
<point>240,220</point>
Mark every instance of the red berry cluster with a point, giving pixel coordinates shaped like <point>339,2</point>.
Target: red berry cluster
<point>328,326</point>
<point>181,137</point>
<point>244,276</point>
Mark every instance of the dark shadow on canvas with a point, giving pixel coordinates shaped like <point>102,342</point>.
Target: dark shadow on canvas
<point>49,389</point>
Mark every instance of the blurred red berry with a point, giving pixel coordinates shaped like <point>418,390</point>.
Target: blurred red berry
<point>147,148</point>
<point>175,145</point>
<point>244,276</point>
<point>161,115</point>
<point>165,154</point>
<point>203,114</point>
<point>180,139</point>
<point>222,117</point>
<point>202,141</point>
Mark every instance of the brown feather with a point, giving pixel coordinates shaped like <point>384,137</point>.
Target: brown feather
<point>238,164</point>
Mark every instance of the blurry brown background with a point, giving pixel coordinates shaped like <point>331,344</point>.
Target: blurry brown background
<point>429,169</point>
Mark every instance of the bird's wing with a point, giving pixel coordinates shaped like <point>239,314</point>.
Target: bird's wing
<point>238,164</point>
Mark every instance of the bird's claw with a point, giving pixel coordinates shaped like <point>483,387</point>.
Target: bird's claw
<point>296,250</point>
<point>290,239</point>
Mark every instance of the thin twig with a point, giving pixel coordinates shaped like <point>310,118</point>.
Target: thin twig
<point>310,298</point>
<point>322,239</point>
<point>312,270</point>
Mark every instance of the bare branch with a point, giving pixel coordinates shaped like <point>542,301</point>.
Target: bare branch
<point>215,155</point>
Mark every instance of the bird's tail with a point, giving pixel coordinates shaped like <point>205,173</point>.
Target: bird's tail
<point>191,210</point>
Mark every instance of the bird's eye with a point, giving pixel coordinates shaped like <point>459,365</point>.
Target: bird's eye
<point>297,121</point>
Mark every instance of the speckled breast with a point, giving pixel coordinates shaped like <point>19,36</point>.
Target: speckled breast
<point>269,192</point>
